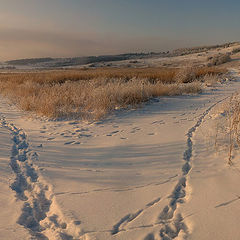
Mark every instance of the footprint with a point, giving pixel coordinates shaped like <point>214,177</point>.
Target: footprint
<point>112,133</point>
<point>68,143</point>
<point>159,122</point>
<point>51,138</point>
<point>150,236</point>
<point>73,123</point>
<point>84,135</point>
<point>77,222</point>
<point>151,134</point>
<point>84,129</point>
<point>153,202</point>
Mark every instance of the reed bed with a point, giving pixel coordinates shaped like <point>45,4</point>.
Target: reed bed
<point>92,94</point>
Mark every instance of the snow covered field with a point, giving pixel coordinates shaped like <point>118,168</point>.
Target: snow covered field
<point>149,173</point>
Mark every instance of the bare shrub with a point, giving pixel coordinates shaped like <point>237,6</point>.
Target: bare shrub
<point>219,59</point>
<point>190,74</point>
<point>236,50</point>
<point>185,75</point>
<point>210,80</point>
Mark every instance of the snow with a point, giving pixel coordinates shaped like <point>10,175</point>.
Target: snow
<point>10,207</point>
<point>148,173</point>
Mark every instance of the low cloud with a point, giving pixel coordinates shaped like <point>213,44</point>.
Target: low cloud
<point>26,43</point>
<point>15,43</point>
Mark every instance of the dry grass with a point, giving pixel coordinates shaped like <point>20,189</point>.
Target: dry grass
<point>234,125</point>
<point>164,75</point>
<point>91,94</point>
<point>227,132</point>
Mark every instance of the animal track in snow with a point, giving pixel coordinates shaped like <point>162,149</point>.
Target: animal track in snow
<point>112,133</point>
<point>84,135</point>
<point>122,224</point>
<point>171,221</point>
<point>40,213</point>
<point>135,129</point>
<point>51,138</point>
<point>158,122</point>
<point>151,134</point>
<point>70,142</point>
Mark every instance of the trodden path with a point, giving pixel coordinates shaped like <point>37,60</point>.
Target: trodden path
<point>39,214</point>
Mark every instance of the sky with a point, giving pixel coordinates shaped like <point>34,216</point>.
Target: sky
<point>69,28</point>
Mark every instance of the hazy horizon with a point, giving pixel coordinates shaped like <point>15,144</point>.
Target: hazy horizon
<point>61,28</point>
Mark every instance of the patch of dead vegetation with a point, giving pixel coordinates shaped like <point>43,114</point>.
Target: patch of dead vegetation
<point>91,94</point>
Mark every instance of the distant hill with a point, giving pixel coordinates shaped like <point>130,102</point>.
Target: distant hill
<point>29,61</point>
<point>185,51</point>
<point>49,62</point>
<point>63,62</point>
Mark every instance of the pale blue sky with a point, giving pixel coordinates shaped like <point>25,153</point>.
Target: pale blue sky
<point>60,28</point>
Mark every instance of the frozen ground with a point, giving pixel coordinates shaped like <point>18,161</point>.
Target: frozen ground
<point>149,173</point>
